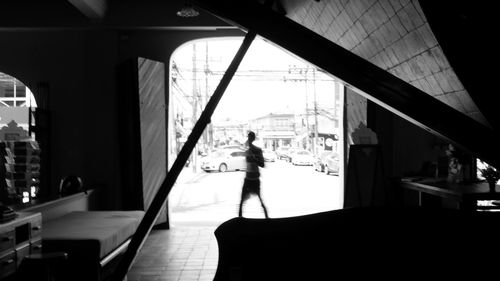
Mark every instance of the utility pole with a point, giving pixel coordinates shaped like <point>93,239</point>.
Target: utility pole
<point>336,94</point>
<point>194,153</point>
<point>209,130</point>
<point>307,109</point>
<point>304,71</point>
<point>315,143</point>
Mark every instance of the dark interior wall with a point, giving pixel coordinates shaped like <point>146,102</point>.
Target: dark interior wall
<point>100,136</point>
<point>77,65</point>
<point>405,146</point>
<point>160,44</point>
<point>414,147</point>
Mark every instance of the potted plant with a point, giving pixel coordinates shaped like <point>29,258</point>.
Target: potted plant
<point>491,175</point>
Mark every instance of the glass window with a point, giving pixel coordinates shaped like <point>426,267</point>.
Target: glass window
<point>8,93</point>
<point>20,91</point>
<point>238,154</point>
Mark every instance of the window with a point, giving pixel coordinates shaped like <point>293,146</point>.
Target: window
<point>19,182</point>
<point>238,154</point>
<point>16,102</point>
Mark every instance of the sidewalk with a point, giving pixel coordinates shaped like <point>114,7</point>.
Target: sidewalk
<point>188,175</point>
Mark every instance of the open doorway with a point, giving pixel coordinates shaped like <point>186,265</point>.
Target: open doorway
<point>19,151</point>
<point>16,102</point>
<point>294,108</point>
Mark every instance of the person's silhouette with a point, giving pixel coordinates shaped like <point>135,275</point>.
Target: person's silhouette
<point>251,184</point>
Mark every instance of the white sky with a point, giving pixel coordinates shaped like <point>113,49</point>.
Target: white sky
<point>259,86</point>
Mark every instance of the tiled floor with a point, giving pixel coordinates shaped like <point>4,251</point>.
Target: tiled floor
<point>178,254</point>
<point>188,251</point>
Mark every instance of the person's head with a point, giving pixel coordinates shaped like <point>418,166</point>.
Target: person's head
<point>251,137</point>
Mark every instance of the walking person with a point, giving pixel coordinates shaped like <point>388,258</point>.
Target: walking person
<point>251,184</point>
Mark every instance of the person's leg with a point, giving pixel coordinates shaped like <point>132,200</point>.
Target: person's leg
<point>240,211</point>
<point>263,207</point>
<point>244,197</point>
<point>261,201</point>
<point>256,190</point>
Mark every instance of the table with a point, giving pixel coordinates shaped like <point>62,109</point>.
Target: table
<point>466,195</point>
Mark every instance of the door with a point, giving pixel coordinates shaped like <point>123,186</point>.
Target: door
<point>153,129</point>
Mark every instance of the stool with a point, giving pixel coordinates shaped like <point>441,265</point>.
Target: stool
<point>42,267</point>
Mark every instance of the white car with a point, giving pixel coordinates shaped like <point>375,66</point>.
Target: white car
<point>302,157</point>
<point>332,164</point>
<point>281,152</point>
<point>222,160</point>
<point>269,155</point>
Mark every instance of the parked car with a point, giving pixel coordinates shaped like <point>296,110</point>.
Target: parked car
<point>269,155</point>
<point>288,154</point>
<point>319,164</point>
<point>332,164</point>
<point>281,152</point>
<point>222,160</point>
<point>302,157</point>
<point>233,146</point>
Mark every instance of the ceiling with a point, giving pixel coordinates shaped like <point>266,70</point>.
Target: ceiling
<point>119,14</point>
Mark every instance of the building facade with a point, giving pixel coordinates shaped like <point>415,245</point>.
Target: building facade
<point>275,130</point>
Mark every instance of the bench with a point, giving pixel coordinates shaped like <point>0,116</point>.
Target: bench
<point>93,241</point>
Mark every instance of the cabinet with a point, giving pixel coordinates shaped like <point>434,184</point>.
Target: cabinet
<point>20,167</point>
<point>18,238</point>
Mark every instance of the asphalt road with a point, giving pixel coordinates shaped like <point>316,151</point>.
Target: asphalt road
<point>211,198</point>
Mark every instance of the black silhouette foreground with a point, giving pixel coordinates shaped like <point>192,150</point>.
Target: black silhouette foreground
<point>362,243</point>
<point>251,184</point>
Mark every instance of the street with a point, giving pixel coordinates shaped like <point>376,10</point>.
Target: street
<point>212,198</point>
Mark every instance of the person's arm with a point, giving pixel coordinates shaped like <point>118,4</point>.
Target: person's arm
<point>259,158</point>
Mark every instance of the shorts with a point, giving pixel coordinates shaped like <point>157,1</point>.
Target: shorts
<point>251,187</point>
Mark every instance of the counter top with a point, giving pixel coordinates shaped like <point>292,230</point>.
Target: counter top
<point>465,193</point>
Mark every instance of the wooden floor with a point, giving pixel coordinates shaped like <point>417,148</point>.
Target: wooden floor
<point>185,254</point>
